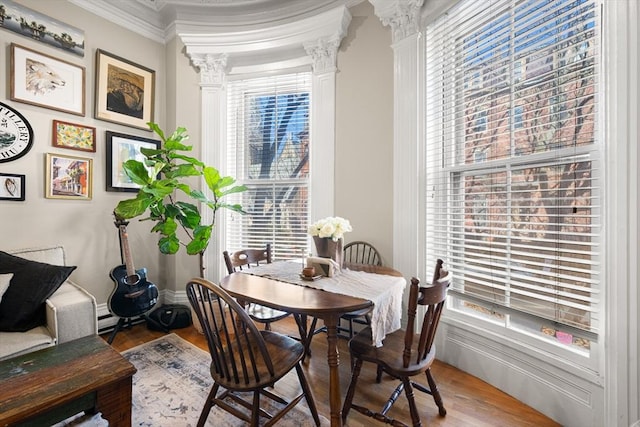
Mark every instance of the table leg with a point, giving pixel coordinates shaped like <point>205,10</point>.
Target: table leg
<point>333,358</point>
<point>114,401</point>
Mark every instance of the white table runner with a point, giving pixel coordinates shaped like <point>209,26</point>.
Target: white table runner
<point>384,291</point>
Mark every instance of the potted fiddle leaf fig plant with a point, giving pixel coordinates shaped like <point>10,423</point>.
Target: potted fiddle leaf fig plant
<point>165,173</point>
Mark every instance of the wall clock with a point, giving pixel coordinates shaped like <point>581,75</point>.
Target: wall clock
<point>16,134</point>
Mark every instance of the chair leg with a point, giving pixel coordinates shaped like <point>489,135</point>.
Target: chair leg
<point>307,394</point>
<point>379,374</point>
<point>435,393</point>
<point>348,400</point>
<point>208,404</point>
<point>255,409</point>
<point>413,409</point>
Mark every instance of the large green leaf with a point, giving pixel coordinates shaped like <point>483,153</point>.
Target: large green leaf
<point>169,244</point>
<point>132,208</point>
<point>137,172</point>
<point>201,236</point>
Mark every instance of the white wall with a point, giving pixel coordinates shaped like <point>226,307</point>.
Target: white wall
<point>364,131</point>
<point>84,228</point>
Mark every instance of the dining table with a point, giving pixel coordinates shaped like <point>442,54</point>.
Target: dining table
<point>279,285</point>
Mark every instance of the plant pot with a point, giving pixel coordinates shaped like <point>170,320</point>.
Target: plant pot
<point>327,248</point>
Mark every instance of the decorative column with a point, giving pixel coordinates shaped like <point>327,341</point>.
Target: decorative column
<point>323,53</point>
<point>408,222</point>
<point>212,70</point>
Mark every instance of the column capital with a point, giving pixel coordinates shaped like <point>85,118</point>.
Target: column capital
<point>323,53</point>
<point>401,15</point>
<point>212,67</point>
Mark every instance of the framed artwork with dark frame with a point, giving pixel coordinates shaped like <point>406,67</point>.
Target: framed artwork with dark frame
<point>120,148</point>
<point>124,91</point>
<point>12,187</point>
<point>73,136</point>
<point>68,177</point>
<point>45,81</point>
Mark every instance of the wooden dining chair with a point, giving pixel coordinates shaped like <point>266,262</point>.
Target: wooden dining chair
<point>245,360</point>
<point>244,259</point>
<point>404,354</point>
<point>360,252</point>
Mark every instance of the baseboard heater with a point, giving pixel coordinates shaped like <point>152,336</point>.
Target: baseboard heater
<point>107,323</point>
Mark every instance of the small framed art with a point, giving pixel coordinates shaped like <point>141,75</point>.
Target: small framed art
<point>12,187</point>
<point>120,148</point>
<point>68,177</point>
<point>73,136</point>
<point>45,81</point>
<point>124,91</point>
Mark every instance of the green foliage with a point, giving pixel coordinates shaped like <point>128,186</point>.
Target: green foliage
<point>157,198</point>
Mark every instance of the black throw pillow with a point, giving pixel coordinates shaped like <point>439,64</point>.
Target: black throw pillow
<point>22,305</point>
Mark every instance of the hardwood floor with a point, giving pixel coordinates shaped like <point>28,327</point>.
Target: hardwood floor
<point>468,400</point>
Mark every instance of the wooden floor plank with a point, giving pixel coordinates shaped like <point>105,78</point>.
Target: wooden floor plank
<point>469,401</point>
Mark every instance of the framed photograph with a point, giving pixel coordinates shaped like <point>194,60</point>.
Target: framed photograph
<point>73,136</point>
<point>68,177</point>
<point>124,91</point>
<point>36,26</point>
<point>12,187</point>
<point>120,148</point>
<point>45,81</point>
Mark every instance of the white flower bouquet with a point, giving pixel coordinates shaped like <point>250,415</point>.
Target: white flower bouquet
<point>332,227</point>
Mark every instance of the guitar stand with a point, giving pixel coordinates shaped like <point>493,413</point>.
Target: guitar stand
<point>125,323</point>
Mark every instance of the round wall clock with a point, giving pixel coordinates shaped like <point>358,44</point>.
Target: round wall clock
<point>16,134</point>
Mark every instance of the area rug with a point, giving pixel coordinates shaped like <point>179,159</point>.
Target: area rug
<point>172,383</point>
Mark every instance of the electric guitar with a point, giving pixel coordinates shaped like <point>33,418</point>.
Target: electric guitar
<point>132,295</point>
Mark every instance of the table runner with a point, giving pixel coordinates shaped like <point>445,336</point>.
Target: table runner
<point>384,291</point>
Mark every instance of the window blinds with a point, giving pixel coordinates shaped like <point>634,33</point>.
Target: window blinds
<point>513,171</point>
<point>268,151</point>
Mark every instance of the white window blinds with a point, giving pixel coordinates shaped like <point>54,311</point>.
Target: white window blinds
<point>513,169</point>
<point>268,151</point>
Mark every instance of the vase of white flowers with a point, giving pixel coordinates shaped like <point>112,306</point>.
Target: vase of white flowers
<point>328,236</point>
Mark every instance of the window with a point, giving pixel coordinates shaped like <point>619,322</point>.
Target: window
<point>515,208</point>
<point>268,151</point>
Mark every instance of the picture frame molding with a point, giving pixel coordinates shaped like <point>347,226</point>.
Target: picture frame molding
<point>55,136</point>
<point>4,190</point>
<point>68,98</point>
<point>49,190</point>
<point>114,144</point>
<point>107,63</point>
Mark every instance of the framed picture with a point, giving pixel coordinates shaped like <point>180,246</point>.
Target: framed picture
<point>36,26</point>
<point>11,187</point>
<point>45,81</point>
<point>68,177</point>
<point>124,91</point>
<point>73,136</point>
<point>120,148</point>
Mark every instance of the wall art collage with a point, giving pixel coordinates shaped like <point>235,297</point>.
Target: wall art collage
<point>124,94</point>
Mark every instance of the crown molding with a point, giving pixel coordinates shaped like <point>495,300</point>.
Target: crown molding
<point>280,43</point>
<point>130,15</point>
<point>159,20</point>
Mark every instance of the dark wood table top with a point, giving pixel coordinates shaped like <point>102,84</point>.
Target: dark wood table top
<point>290,297</point>
<point>34,383</point>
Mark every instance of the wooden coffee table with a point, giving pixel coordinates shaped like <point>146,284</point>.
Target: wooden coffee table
<point>50,385</point>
